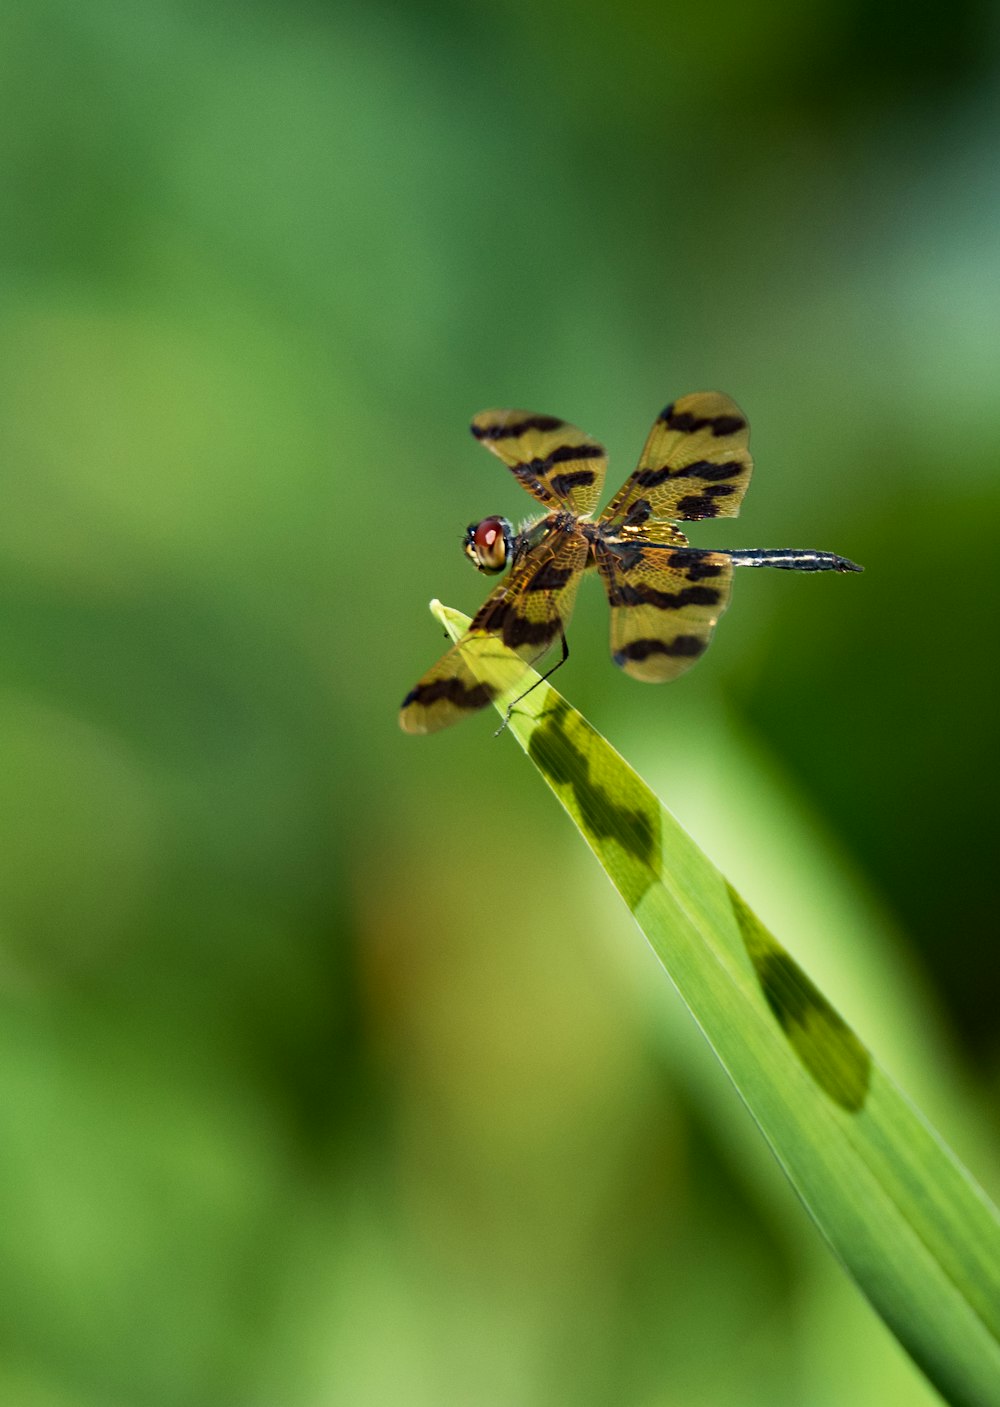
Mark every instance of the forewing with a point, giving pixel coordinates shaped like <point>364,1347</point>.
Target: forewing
<point>452,689</point>
<point>557,463</point>
<point>515,626</point>
<point>664,603</point>
<point>696,464</point>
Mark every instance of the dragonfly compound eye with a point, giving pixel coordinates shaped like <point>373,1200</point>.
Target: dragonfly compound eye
<point>488,544</point>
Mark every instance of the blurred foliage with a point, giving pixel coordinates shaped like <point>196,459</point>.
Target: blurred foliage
<point>288,1113</point>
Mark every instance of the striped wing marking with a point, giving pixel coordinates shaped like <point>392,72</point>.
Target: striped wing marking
<point>665,602</point>
<point>517,624</point>
<point>558,464</point>
<point>696,464</point>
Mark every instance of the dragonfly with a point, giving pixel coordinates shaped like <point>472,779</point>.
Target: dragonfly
<point>665,595</point>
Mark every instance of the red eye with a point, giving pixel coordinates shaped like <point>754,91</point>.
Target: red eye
<point>488,543</point>
<point>486,535</point>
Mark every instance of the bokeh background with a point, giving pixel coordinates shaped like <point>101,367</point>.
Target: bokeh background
<point>331,1070</point>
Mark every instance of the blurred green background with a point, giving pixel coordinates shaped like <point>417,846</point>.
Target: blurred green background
<point>331,1070</point>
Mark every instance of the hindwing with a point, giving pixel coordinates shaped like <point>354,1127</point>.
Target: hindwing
<point>696,464</point>
<point>665,602</point>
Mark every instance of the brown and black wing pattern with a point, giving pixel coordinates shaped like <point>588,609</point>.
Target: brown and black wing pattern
<point>557,463</point>
<point>515,626</point>
<point>696,464</point>
<point>665,602</point>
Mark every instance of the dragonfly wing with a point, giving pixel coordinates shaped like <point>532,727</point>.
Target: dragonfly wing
<point>517,624</point>
<point>665,602</point>
<point>696,464</point>
<point>558,464</point>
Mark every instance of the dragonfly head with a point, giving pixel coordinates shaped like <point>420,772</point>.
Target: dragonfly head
<point>489,544</point>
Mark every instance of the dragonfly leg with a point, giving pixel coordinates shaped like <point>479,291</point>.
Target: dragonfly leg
<point>540,680</point>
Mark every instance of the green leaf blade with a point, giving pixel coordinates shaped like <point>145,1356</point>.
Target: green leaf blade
<point>904,1217</point>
